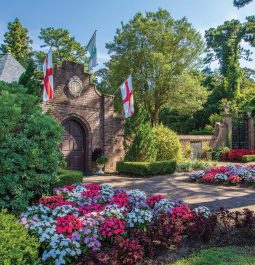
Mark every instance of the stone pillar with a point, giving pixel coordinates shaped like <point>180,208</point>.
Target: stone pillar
<point>251,132</point>
<point>227,121</point>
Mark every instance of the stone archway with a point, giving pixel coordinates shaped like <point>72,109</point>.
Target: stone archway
<point>75,145</point>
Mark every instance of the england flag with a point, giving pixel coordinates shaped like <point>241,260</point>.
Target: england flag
<point>127,97</point>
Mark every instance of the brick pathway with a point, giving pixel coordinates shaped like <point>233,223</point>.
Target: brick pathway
<point>177,186</point>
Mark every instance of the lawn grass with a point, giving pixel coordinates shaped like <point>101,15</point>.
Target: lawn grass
<point>221,256</point>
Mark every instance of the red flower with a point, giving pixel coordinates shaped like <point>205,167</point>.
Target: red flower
<point>90,193</point>
<point>112,226</point>
<point>54,201</point>
<point>152,200</point>
<point>70,187</point>
<point>181,212</point>
<point>68,224</point>
<point>93,187</point>
<point>234,179</point>
<point>96,207</point>
<point>120,199</point>
<point>236,154</point>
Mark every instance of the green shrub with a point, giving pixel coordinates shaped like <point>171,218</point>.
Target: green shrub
<point>248,158</point>
<point>205,131</point>
<point>189,165</point>
<point>29,148</point>
<point>168,145</point>
<point>146,168</point>
<point>68,177</point>
<point>142,148</point>
<point>220,256</point>
<point>102,160</point>
<point>217,152</point>
<point>16,245</point>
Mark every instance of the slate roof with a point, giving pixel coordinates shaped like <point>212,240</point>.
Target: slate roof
<point>10,68</point>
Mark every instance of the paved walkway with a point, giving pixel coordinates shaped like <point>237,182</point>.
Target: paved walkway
<point>177,186</point>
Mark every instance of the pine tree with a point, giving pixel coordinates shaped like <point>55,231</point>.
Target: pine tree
<point>17,42</point>
<point>241,3</point>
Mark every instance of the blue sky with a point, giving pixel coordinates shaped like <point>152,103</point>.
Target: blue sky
<point>82,17</point>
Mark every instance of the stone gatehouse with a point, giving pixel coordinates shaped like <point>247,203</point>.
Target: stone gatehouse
<point>88,118</point>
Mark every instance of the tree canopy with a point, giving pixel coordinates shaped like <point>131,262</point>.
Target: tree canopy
<point>17,42</point>
<point>241,3</point>
<point>65,47</point>
<point>160,53</point>
<point>224,45</point>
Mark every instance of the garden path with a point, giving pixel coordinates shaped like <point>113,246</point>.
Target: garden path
<point>177,186</point>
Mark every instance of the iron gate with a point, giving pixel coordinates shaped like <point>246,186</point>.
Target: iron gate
<point>240,133</point>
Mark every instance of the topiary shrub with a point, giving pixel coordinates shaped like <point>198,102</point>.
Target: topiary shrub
<point>146,168</point>
<point>68,177</point>
<point>248,158</point>
<point>142,148</point>
<point>29,148</point>
<point>167,144</point>
<point>16,245</point>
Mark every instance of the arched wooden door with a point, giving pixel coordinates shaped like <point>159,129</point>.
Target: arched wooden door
<point>74,145</point>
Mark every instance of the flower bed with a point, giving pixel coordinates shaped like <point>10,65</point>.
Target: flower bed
<point>102,224</point>
<point>231,174</point>
<point>236,155</point>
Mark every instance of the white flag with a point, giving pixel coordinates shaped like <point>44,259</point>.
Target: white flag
<point>127,97</point>
<point>48,77</point>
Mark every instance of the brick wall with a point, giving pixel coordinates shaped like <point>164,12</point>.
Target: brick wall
<point>103,128</point>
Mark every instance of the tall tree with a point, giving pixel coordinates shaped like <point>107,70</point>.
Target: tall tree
<point>159,52</point>
<point>224,46</point>
<point>17,42</point>
<point>65,47</point>
<point>241,3</point>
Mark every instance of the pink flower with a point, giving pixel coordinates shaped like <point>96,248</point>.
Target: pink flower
<point>112,226</point>
<point>154,199</point>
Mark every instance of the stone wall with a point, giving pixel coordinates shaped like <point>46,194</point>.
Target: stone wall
<point>95,111</point>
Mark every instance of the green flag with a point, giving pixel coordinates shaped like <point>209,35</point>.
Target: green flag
<point>91,48</point>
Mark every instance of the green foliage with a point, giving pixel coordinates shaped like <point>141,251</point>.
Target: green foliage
<point>228,139</point>
<point>241,3</point>
<point>16,245</point>
<point>29,148</point>
<point>68,177</point>
<point>102,160</point>
<point>190,165</point>
<point>182,124</point>
<point>248,158</point>
<point>187,151</point>
<point>168,145</point>
<point>17,42</point>
<point>65,47</point>
<point>205,131</point>
<point>217,152</point>
<point>224,45</point>
<point>142,149</point>
<point>221,256</point>
<point>146,168</point>
<point>31,79</point>
<point>160,53</point>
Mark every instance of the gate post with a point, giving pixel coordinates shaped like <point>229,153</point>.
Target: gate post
<point>227,121</point>
<point>251,132</point>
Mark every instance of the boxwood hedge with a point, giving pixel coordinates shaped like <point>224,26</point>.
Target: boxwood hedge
<point>146,168</point>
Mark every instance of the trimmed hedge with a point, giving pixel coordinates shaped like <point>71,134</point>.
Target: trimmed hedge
<point>146,168</point>
<point>68,177</point>
<point>248,158</point>
<point>16,245</point>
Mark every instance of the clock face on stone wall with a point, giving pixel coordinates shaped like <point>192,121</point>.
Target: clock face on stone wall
<point>75,86</point>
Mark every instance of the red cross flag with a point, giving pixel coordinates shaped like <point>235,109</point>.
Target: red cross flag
<point>48,77</point>
<point>127,97</point>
